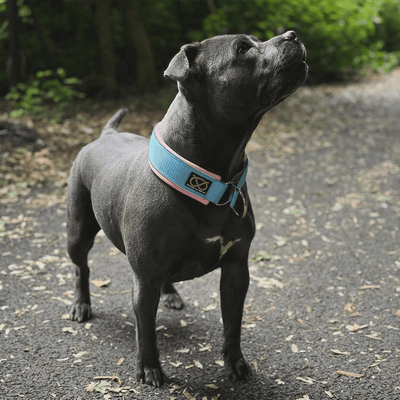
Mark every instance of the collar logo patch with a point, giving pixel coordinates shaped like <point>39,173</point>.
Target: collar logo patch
<point>198,183</point>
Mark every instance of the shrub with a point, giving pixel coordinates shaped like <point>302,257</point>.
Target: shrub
<point>49,88</point>
<point>388,25</point>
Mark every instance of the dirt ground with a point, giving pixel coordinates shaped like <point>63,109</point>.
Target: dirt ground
<point>322,316</point>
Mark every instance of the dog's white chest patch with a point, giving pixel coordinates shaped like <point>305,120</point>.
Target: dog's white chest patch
<point>220,239</point>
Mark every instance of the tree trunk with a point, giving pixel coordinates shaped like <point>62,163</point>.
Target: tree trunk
<point>46,52</point>
<point>106,47</point>
<point>146,70</point>
<point>13,57</point>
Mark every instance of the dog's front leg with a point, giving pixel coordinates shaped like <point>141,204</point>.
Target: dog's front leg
<point>145,302</point>
<point>233,286</point>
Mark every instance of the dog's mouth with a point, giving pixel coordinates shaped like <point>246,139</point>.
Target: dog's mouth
<point>292,58</point>
<point>290,74</point>
<point>304,58</point>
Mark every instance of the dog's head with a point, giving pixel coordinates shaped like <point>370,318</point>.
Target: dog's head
<point>239,75</point>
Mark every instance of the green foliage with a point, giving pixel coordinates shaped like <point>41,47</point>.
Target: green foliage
<point>377,60</point>
<point>388,25</point>
<point>49,88</point>
<point>339,34</point>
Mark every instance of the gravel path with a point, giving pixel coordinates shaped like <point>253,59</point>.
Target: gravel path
<point>322,317</point>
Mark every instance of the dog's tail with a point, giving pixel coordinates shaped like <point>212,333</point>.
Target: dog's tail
<point>114,121</point>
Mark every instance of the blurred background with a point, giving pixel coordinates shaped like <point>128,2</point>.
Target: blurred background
<point>57,50</point>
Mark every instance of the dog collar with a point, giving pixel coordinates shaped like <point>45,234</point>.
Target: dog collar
<point>192,180</point>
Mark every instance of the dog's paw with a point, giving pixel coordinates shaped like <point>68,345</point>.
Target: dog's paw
<point>151,376</point>
<point>172,300</point>
<point>80,311</point>
<point>239,370</point>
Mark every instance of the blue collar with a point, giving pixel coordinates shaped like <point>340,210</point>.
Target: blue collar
<point>192,180</point>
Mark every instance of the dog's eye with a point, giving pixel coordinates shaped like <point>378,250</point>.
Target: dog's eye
<point>243,48</point>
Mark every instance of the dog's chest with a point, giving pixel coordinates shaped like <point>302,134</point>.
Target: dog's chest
<point>224,245</point>
<point>204,256</point>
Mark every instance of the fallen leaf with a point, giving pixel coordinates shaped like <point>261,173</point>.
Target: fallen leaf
<point>39,288</point>
<point>182,351</point>
<point>261,256</point>
<point>376,363</point>
<point>268,283</point>
<point>112,377</point>
<point>220,363</point>
<point>369,287</point>
<point>183,323</point>
<point>101,283</point>
<point>65,301</point>
<point>70,330</point>
<point>255,365</point>
<point>198,364</point>
<point>374,336</point>
<point>295,348</point>
<point>329,393</point>
<point>398,313</point>
<point>350,374</point>
<point>101,387</point>
<point>206,347</point>
<point>344,353</point>
<point>174,387</point>
<point>355,327</point>
<point>188,395</point>
<point>80,354</point>
<point>210,307</point>
<point>349,307</point>
<point>120,361</point>
<point>307,380</point>
<point>175,364</point>
<point>248,326</point>
<point>211,385</point>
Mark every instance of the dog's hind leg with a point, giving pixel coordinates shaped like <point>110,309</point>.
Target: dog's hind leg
<point>170,297</point>
<point>82,228</point>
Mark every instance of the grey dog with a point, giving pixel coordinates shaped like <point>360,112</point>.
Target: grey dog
<point>226,84</point>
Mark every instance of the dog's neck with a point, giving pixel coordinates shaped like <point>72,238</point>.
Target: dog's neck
<point>212,142</point>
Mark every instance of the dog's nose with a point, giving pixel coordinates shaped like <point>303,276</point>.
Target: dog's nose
<point>290,35</point>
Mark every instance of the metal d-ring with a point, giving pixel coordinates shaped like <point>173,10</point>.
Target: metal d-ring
<point>244,204</point>
<point>242,195</point>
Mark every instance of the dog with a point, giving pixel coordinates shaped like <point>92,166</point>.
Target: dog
<point>179,206</point>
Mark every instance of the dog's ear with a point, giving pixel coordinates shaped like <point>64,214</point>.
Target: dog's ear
<point>181,65</point>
